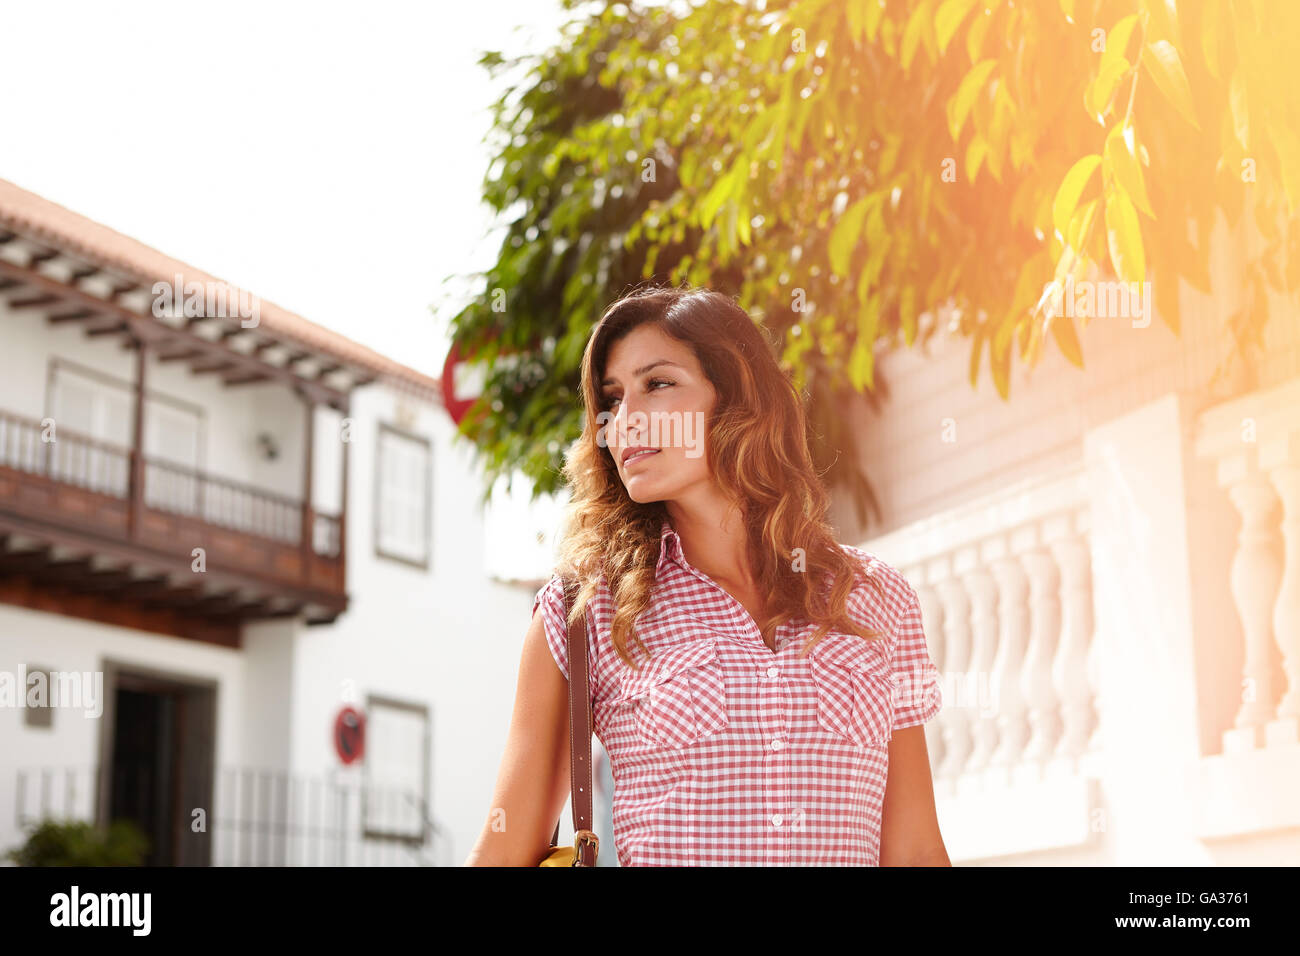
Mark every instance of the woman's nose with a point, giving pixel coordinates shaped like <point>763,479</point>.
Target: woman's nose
<point>621,425</point>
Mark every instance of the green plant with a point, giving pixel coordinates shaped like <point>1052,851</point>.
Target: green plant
<point>77,843</point>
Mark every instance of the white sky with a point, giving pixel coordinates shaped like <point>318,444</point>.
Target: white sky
<point>324,156</point>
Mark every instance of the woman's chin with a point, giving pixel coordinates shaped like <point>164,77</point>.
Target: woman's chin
<point>643,493</point>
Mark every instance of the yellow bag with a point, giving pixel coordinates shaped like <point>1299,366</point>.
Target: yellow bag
<point>568,855</point>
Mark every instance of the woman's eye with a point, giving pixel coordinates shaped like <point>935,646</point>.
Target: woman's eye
<point>651,386</point>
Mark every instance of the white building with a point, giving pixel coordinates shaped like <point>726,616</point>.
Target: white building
<point>282,528</point>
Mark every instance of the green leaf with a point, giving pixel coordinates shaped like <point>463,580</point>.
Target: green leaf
<point>1123,235</point>
<point>912,34</point>
<point>1102,89</point>
<point>844,238</point>
<point>975,35</point>
<point>962,101</point>
<point>907,313</point>
<point>1211,28</point>
<point>1240,111</point>
<point>1118,37</point>
<point>869,320</point>
<point>1071,188</point>
<point>1121,162</point>
<point>975,153</point>
<point>857,26</point>
<point>874,12</point>
<point>1000,358</point>
<point>1080,225</point>
<point>719,194</point>
<point>1166,70</point>
<point>948,18</point>
<point>861,361</point>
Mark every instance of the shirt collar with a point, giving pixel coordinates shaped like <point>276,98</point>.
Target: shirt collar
<point>670,546</point>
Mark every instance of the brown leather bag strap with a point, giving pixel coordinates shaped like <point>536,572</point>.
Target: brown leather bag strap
<point>580,730</point>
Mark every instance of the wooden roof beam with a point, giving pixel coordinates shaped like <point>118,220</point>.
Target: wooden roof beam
<point>147,328</point>
<point>72,315</point>
<point>245,378</point>
<point>21,562</point>
<point>213,365</point>
<point>32,302</point>
<point>109,326</point>
<point>177,355</point>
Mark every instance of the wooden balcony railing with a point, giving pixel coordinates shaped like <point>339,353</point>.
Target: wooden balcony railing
<point>181,506</point>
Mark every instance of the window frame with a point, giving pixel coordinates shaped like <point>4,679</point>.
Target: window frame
<point>200,413</point>
<point>424,440</point>
<point>368,830</point>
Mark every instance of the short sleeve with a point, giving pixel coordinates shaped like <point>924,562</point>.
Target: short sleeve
<point>917,696</point>
<point>551,600</point>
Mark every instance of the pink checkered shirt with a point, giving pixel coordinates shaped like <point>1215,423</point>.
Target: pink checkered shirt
<point>725,753</point>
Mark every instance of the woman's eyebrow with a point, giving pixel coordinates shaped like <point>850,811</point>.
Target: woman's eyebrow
<point>645,368</point>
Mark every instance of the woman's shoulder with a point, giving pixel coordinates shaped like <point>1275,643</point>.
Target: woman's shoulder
<point>882,592</point>
<point>552,591</point>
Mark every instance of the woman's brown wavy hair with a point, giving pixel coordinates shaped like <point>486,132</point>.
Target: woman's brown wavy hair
<point>758,455</point>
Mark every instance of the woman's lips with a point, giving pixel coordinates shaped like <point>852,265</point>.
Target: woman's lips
<point>639,456</point>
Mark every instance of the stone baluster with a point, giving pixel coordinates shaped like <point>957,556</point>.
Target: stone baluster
<point>1256,573</point>
<point>932,622</point>
<point>1044,636</point>
<point>958,712</point>
<point>983,593</point>
<point>1070,669</point>
<point>1013,635</point>
<point>1281,460</point>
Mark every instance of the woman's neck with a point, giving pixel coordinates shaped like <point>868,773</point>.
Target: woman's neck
<point>714,539</point>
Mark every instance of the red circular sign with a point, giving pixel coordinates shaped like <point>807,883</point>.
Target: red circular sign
<point>456,407</point>
<point>350,735</point>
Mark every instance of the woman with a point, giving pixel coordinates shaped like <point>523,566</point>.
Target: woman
<point>759,689</point>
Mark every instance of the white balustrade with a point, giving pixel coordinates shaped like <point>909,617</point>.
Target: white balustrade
<point>1005,588</point>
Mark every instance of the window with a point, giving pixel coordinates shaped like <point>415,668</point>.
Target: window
<point>403,496</point>
<point>39,711</point>
<point>395,798</point>
<point>92,405</point>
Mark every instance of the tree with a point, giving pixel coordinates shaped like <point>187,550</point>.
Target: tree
<point>856,173</point>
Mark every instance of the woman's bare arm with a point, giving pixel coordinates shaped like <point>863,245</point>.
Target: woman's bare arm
<point>909,827</point>
<point>533,779</point>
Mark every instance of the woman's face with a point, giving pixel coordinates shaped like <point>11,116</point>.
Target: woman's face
<point>656,397</point>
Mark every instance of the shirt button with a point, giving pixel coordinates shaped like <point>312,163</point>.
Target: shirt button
<point>778,743</point>
<point>773,671</point>
<point>776,819</point>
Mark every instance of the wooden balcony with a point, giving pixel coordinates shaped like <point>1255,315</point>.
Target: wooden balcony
<point>100,531</point>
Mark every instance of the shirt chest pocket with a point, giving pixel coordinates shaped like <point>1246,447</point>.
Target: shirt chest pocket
<point>677,696</point>
<point>855,690</point>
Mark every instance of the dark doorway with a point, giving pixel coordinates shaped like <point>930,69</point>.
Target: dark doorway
<point>159,760</point>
